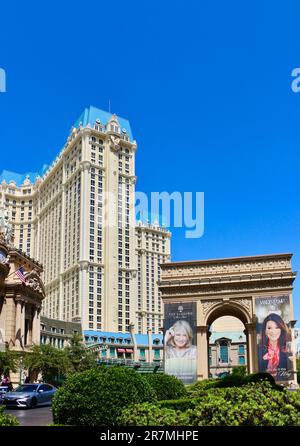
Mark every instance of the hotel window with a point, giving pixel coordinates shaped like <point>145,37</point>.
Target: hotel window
<point>223,352</point>
<point>241,349</point>
<point>242,360</point>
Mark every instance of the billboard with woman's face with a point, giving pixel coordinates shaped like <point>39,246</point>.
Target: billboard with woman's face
<point>275,354</point>
<point>180,339</point>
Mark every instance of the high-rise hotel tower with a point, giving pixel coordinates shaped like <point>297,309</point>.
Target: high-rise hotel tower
<point>77,218</point>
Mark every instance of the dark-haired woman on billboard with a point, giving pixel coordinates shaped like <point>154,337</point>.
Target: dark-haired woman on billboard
<point>273,353</point>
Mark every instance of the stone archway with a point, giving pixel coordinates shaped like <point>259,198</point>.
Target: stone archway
<point>212,310</point>
<point>242,313</point>
<point>228,287</point>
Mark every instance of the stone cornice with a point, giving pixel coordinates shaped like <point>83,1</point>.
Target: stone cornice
<point>83,265</point>
<point>85,165</point>
<point>23,293</point>
<point>215,267</point>
<point>220,281</point>
<point>24,258</point>
<point>220,289</point>
<point>51,284</point>
<point>98,167</point>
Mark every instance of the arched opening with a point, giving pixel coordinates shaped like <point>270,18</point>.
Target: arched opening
<point>227,340</point>
<point>227,346</point>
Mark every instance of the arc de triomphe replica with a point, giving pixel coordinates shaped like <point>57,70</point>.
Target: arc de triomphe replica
<point>230,287</point>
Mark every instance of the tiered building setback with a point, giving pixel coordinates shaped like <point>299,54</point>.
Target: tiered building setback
<point>77,218</point>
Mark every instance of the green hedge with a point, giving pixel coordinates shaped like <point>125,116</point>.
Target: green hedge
<point>7,420</point>
<point>250,405</point>
<point>181,405</point>
<point>166,386</point>
<point>96,397</point>
<point>234,380</point>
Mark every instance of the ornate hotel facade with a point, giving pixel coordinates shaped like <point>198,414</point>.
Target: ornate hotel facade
<point>103,275</point>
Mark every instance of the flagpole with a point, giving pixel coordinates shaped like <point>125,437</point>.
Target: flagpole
<point>14,272</point>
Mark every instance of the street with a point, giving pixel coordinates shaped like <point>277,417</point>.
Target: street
<point>40,416</point>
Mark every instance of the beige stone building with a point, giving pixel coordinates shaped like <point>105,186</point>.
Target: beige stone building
<point>58,333</point>
<point>77,218</point>
<point>21,303</point>
<point>152,249</point>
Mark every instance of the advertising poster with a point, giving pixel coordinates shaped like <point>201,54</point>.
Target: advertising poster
<point>180,341</point>
<point>274,344</point>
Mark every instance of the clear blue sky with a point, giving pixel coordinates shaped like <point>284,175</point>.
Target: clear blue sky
<point>205,86</point>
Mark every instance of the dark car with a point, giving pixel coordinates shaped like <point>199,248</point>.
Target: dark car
<point>30,395</point>
<point>3,392</point>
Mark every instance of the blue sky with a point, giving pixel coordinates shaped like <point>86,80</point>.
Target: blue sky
<point>206,87</point>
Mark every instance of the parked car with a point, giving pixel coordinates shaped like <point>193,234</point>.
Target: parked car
<point>30,395</point>
<point>3,392</point>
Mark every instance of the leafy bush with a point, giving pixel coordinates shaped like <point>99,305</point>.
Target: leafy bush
<point>150,415</point>
<point>166,386</point>
<point>237,379</point>
<point>7,420</point>
<point>257,377</point>
<point>231,381</point>
<point>199,386</point>
<point>251,405</point>
<point>8,361</point>
<point>96,397</point>
<point>240,370</point>
<point>182,405</point>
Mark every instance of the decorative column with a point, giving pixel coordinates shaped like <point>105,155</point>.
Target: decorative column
<point>135,350</point>
<point>202,354</point>
<point>20,322</point>
<point>62,246</point>
<point>36,326</point>
<point>83,293</point>
<point>294,335</point>
<point>150,344</point>
<point>252,359</point>
<point>84,238</point>
<point>140,311</point>
<point>2,321</point>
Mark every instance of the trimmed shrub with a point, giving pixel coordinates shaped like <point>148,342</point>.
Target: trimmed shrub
<point>231,381</point>
<point>203,384</point>
<point>251,405</point>
<point>181,405</point>
<point>6,419</point>
<point>257,377</point>
<point>96,397</point>
<point>235,380</point>
<point>166,387</point>
<point>150,415</point>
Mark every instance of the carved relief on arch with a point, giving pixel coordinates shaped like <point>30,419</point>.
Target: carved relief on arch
<point>246,303</point>
<point>208,304</point>
<point>242,308</point>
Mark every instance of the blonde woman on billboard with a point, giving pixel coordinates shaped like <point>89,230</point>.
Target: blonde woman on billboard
<point>178,341</point>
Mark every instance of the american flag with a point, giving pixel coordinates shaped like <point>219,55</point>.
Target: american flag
<point>20,274</point>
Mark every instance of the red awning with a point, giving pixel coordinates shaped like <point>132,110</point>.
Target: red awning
<point>129,350</point>
<point>121,350</point>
